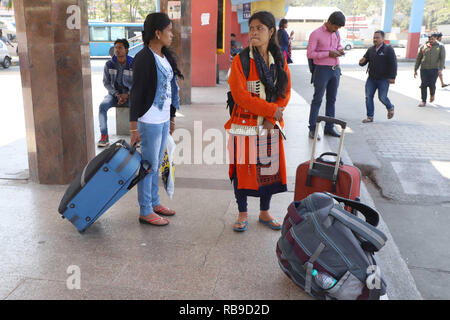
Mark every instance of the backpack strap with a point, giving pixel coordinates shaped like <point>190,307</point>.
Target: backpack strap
<point>244,55</point>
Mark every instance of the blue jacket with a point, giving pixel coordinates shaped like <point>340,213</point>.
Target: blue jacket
<point>110,75</point>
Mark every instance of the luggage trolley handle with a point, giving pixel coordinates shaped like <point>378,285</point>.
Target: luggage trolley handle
<point>343,125</point>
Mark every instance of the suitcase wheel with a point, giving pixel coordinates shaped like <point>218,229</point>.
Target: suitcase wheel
<point>82,231</point>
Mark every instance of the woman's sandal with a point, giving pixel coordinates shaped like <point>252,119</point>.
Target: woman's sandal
<point>165,212</point>
<point>269,224</point>
<point>153,220</point>
<point>240,224</point>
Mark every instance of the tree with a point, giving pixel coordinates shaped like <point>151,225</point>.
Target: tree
<point>435,12</point>
<point>128,10</point>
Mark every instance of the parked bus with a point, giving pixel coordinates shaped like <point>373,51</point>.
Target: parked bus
<point>103,34</point>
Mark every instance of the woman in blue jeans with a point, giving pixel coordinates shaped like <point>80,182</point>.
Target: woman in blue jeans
<point>154,100</point>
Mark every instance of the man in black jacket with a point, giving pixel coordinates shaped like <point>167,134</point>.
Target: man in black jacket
<point>382,72</point>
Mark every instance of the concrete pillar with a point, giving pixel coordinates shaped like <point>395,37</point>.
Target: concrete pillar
<point>415,27</point>
<point>56,83</point>
<point>388,14</point>
<point>181,45</point>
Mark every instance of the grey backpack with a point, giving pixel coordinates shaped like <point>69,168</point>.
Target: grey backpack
<point>329,252</point>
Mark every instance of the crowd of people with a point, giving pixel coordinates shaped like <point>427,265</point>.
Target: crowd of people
<point>148,85</point>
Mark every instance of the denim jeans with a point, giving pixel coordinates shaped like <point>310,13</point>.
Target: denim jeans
<point>324,78</point>
<point>428,77</point>
<point>108,102</point>
<point>383,88</point>
<point>153,145</point>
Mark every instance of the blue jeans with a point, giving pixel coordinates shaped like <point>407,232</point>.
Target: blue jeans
<point>324,78</point>
<point>108,102</point>
<point>383,88</point>
<point>153,145</point>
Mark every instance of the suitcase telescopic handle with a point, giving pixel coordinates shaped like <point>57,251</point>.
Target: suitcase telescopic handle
<point>342,123</point>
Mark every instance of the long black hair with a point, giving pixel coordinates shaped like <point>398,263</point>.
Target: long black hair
<point>268,20</point>
<point>159,21</point>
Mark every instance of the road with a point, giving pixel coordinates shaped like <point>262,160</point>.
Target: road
<point>407,160</point>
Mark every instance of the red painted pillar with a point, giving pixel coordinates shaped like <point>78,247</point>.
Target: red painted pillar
<point>413,45</point>
<point>204,43</point>
<point>415,26</point>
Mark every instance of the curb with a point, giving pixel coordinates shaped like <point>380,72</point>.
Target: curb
<point>400,283</point>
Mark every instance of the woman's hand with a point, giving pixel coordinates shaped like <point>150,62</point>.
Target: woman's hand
<point>134,133</point>
<point>135,136</point>
<point>268,125</point>
<point>278,114</point>
<point>172,125</point>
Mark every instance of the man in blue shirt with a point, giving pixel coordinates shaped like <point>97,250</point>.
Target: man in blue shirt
<point>117,79</point>
<point>234,50</point>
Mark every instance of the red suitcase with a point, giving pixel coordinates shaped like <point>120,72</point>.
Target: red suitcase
<point>320,175</point>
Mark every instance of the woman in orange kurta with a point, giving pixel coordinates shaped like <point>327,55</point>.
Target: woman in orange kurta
<point>258,166</point>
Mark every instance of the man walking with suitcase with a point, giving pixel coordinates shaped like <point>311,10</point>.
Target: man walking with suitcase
<point>382,72</point>
<point>324,47</point>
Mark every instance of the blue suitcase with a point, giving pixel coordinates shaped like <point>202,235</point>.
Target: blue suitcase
<point>103,181</point>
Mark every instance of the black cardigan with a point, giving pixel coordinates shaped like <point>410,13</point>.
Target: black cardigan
<point>382,64</point>
<point>145,79</point>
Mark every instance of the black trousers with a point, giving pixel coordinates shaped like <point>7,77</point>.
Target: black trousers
<point>428,77</point>
<point>241,198</point>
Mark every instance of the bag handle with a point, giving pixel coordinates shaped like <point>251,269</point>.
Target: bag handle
<point>371,215</point>
<point>320,158</point>
<point>375,238</point>
<point>144,169</point>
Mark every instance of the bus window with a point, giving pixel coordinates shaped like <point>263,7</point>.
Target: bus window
<point>99,33</point>
<point>132,30</point>
<point>117,33</point>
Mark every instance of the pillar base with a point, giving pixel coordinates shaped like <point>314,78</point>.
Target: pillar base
<point>413,45</point>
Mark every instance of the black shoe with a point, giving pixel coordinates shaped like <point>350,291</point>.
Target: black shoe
<point>311,135</point>
<point>332,133</point>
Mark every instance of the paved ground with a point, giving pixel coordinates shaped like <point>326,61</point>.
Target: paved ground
<point>408,162</point>
<point>197,257</point>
